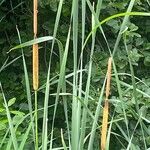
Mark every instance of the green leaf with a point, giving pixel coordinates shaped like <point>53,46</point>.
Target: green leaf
<point>2,126</point>
<point>31,42</point>
<point>11,102</point>
<point>1,110</point>
<point>19,113</point>
<point>147,61</point>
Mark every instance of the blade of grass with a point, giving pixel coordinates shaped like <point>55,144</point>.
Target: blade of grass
<point>9,144</point>
<point>144,14</point>
<point>120,96</point>
<point>83,92</point>
<point>27,87</point>
<point>2,2</point>
<point>81,63</point>
<point>148,2</point>
<point>125,21</point>
<point>4,138</point>
<point>45,115</point>
<point>99,126</point>
<point>25,137</point>
<point>131,87</point>
<point>5,65</point>
<point>66,111</point>
<point>11,11</point>
<point>75,127</point>
<point>12,131</point>
<point>98,108</point>
<point>84,113</point>
<point>63,142</point>
<point>52,81</point>
<point>96,15</point>
<point>32,42</point>
<point>61,81</point>
<point>129,144</point>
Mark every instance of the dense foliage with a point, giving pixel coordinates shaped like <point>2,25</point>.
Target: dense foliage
<point>17,15</point>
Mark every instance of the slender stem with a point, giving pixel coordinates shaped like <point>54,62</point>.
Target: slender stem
<point>36,121</point>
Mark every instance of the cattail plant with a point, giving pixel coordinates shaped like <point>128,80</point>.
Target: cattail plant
<point>35,67</point>
<point>106,107</point>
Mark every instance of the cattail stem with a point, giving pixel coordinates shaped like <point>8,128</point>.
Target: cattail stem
<point>35,11</point>
<point>36,121</point>
<point>106,107</point>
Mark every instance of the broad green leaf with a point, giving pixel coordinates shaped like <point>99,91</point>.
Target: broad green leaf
<point>11,101</point>
<point>17,113</point>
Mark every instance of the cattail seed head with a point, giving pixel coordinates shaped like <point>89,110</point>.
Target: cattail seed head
<point>35,67</point>
<point>106,107</point>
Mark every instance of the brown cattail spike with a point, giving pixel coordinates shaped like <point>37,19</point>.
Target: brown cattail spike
<point>35,67</point>
<point>35,48</point>
<point>106,107</point>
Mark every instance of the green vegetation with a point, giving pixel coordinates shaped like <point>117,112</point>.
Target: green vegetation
<point>75,40</point>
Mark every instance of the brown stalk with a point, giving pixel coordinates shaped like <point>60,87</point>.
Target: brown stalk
<point>106,107</point>
<point>35,48</point>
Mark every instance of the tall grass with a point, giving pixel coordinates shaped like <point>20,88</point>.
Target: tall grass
<point>80,136</point>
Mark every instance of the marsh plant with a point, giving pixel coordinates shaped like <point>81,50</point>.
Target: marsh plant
<point>90,88</point>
